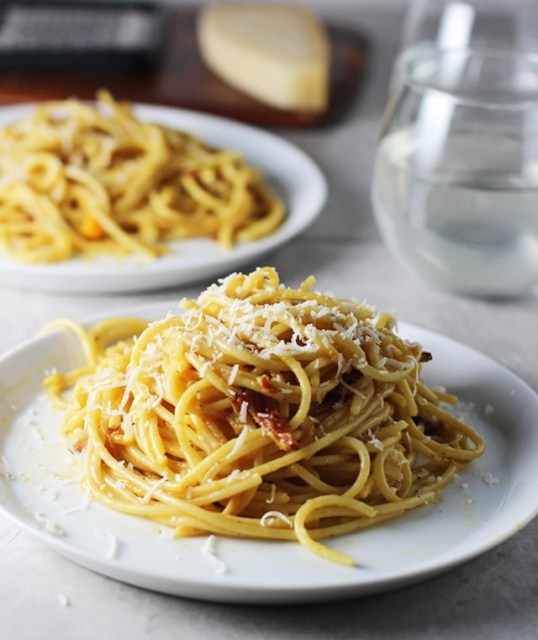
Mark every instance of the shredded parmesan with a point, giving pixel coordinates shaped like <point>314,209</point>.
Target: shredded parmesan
<point>490,479</point>
<point>63,600</point>
<point>49,525</point>
<point>233,374</point>
<point>375,442</point>
<point>208,549</point>
<point>489,409</point>
<point>113,547</point>
<point>83,506</point>
<point>269,516</point>
<point>243,412</point>
<point>271,498</point>
<point>149,493</point>
<point>240,440</point>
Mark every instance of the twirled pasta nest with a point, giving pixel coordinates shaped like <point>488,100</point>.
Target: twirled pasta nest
<point>261,411</point>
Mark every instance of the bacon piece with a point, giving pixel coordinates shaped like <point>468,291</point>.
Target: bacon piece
<point>270,420</point>
<point>266,384</point>
<point>416,350</point>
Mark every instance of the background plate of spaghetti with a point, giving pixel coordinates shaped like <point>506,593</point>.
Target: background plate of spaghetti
<point>260,192</point>
<point>486,502</point>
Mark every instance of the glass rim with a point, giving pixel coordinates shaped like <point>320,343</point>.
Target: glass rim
<point>482,4</point>
<point>518,102</point>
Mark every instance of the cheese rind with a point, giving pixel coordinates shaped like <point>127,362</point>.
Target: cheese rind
<point>278,54</point>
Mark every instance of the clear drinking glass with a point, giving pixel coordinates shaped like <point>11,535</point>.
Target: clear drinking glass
<point>455,185</point>
<point>469,24</point>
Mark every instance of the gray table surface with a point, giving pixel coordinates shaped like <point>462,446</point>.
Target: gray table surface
<point>494,596</point>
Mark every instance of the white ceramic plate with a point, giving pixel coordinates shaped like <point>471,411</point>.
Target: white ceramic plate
<point>293,174</point>
<point>490,501</point>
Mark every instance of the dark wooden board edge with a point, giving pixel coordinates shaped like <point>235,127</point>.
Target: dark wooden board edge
<point>181,79</point>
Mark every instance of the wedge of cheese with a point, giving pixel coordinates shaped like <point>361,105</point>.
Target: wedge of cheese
<point>278,54</point>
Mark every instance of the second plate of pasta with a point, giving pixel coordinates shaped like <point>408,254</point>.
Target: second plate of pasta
<point>284,187</point>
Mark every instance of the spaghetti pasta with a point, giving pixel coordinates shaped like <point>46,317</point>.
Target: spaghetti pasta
<point>261,411</point>
<point>80,180</point>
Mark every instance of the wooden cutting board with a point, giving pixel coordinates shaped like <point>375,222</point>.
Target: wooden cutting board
<point>182,80</point>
